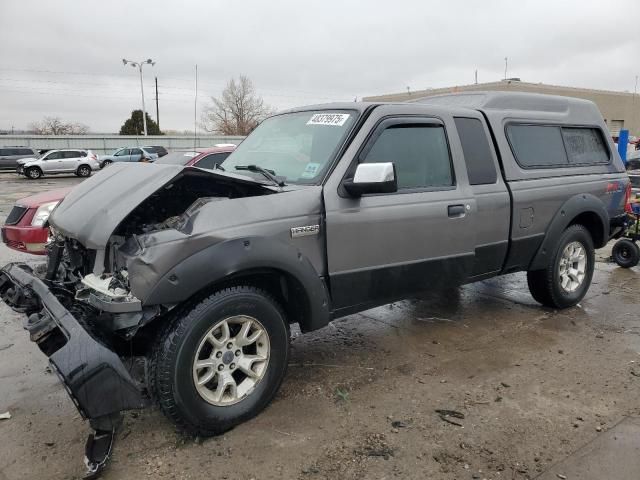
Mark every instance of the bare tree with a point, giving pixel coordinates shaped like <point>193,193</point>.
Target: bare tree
<point>56,126</point>
<point>237,111</point>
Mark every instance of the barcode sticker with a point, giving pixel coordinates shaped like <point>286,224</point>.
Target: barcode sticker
<point>336,119</point>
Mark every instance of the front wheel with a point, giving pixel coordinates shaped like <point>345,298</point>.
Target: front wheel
<point>222,362</point>
<point>625,253</point>
<point>33,173</point>
<point>567,276</point>
<point>106,163</point>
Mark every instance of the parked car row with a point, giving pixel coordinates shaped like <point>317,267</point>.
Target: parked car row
<point>24,229</point>
<point>10,155</point>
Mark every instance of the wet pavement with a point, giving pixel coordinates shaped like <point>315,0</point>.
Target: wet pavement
<point>536,387</point>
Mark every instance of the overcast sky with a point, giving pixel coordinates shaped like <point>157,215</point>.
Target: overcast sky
<point>63,58</point>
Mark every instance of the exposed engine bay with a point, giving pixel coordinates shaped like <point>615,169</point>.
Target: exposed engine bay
<point>99,278</point>
<point>169,206</point>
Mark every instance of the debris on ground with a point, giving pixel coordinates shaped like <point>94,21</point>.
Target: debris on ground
<point>446,415</point>
<point>342,395</point>
<point>505,385</point>
<point>634,373</point>
<point>5,416</point>
<point>563,477</point>
<point>399,424</point>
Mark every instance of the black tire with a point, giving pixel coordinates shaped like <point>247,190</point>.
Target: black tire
<point>171,362</point>
<point>33,173</point>
<point>626,253</point>
<point>106,163</point>
<point>83,171</point>
<point>545,285</point>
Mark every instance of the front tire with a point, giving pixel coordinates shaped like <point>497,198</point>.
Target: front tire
<point>33,173</point>
<point>567,276</point>
<point>106,163</point>
<point>625,253</point>
<point>221,362</point>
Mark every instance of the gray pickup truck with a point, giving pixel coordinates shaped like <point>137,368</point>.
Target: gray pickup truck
<point>321,212</point>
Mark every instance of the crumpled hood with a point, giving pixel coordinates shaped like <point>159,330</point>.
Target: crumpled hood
<point>92,210</point>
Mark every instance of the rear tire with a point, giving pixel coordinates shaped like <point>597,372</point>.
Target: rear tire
<point>33,173</point>
<point>83,171</point>
<point>106,163</point>
<point>567,276</point>
<point>196,352</point>
<point>626,253</point>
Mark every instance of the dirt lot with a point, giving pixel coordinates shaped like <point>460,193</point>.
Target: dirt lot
<point>360,398</point>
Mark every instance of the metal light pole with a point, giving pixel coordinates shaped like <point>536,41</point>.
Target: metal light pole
<point>139,65</point>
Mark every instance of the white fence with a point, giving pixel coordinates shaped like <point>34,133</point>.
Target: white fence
<point>103,144</point>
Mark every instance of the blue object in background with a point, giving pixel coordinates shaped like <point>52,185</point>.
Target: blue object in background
<point>623,140</point>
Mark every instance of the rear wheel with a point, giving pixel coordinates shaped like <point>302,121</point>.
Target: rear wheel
<point>567,276</point>
<point>626,253</point>
<point>83,171</point>
<point>33,173</point>
<point>222,362</point>
<point>106,163</point>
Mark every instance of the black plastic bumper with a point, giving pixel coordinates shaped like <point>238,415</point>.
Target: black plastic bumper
<point>93,375</point>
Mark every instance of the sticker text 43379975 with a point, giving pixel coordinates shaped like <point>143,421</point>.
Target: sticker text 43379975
<point>335,119</point>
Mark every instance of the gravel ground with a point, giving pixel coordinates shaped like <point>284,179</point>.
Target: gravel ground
<point>361,396</point>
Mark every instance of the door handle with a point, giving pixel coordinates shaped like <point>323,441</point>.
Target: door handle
<point>456,210</point>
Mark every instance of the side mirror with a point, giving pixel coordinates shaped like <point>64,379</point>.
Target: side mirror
<point>372,178</point>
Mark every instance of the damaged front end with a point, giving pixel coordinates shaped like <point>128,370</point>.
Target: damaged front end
<point>83,309</point>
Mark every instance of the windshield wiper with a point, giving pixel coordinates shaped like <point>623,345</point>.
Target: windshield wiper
<point>270,174</point>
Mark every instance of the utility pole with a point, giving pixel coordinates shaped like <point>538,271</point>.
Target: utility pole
<point>139,65</point>
<point>506,62</point>
<point>476,77</point>
<point>157,109</point>
<point>195,113</point>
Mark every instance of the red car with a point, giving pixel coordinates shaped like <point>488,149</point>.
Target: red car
<point>24,231</point>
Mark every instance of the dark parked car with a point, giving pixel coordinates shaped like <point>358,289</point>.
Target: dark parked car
<point>320,212</point>
<point>9,156</point>
<point>157,149</point>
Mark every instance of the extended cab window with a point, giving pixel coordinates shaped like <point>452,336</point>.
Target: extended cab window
<point>544,146</point>
<point>477,154</point>
<point>419,152</point>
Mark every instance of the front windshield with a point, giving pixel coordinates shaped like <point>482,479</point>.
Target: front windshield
<point>298,146</point>
<point>176,158</point>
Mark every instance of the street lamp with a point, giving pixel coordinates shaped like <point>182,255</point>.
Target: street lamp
<point>139,65</point>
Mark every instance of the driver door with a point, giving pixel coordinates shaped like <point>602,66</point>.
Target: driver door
<point>53,162</point>
<point>122,155</point>
<point>383,247</point>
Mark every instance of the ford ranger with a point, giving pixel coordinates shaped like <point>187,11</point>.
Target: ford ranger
<point>321,212</point>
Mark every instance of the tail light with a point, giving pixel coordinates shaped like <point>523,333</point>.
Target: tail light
<point>627,199</point>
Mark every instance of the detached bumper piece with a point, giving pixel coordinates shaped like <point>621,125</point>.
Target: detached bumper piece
<point>93,375</point>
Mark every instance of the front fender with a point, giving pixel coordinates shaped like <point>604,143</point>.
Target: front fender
<point>223,260</point>
<point>566,214</point>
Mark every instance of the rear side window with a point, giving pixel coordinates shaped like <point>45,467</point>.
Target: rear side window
<point>477,154</point>
<point>585,146</point>
<point>537,146</point>
<point>419,152</point>
<point>542,146</point>
<point>4,152</point>
<point>25,151</point>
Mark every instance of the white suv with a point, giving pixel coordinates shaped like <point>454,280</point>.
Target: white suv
<point>80,162</point>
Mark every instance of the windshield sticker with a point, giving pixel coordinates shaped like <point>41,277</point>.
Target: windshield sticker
<point>336,119</point>
<point>311,170</point>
